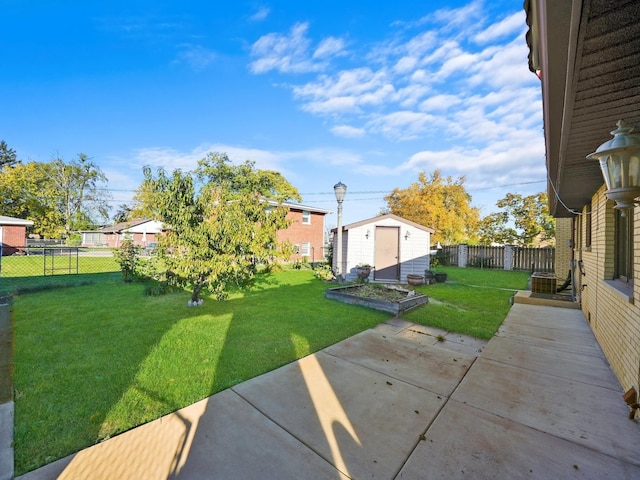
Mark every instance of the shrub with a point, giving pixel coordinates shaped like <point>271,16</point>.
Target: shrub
<point>323,272</point>
<point>128,257</point>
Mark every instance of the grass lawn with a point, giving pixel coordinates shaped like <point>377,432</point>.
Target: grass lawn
<point>22,273</point>
<point>96,360</point>
<point>473,301</point>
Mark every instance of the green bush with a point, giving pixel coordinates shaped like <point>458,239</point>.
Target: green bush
<point>128,257</point>
<point>323,272</point>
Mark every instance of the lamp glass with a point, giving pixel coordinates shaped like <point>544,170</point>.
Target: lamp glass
<point>619,160</point>
<point>340,189</point>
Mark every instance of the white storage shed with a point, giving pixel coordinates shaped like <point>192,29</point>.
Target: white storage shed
<point>392,245</point>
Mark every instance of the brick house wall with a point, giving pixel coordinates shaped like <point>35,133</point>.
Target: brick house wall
<point>14,239</point>
<point>613,313</point>
<point>306,231</point>
<point>564,247</point>
<point>114,240</point>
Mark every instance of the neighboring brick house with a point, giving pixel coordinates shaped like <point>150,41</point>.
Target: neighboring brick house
<point>13,234</point>
<point>586,56</point>
<point>306,232</point>
<point>143,232</point>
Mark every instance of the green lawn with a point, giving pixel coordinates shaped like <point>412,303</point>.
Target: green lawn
<point>473,301</point>
<point>98,359</point>
<point>23,273</point>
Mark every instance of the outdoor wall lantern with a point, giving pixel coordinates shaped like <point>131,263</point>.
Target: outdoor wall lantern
<point>366,235</point>
<point>340,189</point>
<point>620,164</point>
<point>407,235</point>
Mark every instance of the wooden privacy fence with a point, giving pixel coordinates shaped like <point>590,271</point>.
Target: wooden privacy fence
<point>507,257</point>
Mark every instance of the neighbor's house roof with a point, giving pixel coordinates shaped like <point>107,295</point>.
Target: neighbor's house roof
<point>297,206</point>
<point>587,55</point>
<point>119,227</point>
<point>15,221</point>
<point>384,217</point>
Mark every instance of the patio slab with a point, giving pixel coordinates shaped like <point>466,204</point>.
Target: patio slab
<point>407,359</point>
<point>580,367</point>
<point>364,422</point>
<point>465,442</point>
<point>547,317</point>
<point>220,437</point>
<point>588,415</point>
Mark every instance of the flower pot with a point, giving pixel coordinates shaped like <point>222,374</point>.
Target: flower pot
<point>414,279</point>
<point>363,272</point>
<point>441,277</point>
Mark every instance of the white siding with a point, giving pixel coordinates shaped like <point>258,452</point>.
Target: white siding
<point>414,250</point>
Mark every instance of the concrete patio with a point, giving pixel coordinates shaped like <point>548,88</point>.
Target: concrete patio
<point>538,401</point>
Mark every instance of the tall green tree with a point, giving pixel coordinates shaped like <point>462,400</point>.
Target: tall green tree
<point>82,194</point>
<point>438,202</point>
<point>7,155</point>
<point>522,220</point>
<point>58,196</point>
<point>123,213</point>
<point>221,226</point>
<point>144,202</point>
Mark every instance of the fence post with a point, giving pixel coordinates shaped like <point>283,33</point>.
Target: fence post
<point>6,392</point>
<point>463,252</point>
<point>508,257</point>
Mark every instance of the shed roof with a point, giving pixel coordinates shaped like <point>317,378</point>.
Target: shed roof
<point>384,217</point>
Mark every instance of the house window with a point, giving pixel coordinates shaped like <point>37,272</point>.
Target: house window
<point>306,217</point>
<point>623,254</point>
<point>587,227</point>
<point>305,249</point>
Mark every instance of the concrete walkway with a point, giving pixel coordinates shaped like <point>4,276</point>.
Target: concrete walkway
<point>394,402</point>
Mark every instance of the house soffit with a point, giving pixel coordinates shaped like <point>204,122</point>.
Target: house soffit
<point>587,88</point>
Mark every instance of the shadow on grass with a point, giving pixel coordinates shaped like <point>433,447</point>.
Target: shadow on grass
<point>94,361</point>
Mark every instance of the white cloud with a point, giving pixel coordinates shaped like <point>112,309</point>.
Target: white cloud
<point>463,17</point>
<point>291,53</point>
<point>329,47</point>
<point>458,77</point>
<point>261,14</point>
<point>509,25</point>
<point>347,131</point>
<point>401,125</point>
<point>285,53</point>
<point>440,102</point>
<point>196,56</point>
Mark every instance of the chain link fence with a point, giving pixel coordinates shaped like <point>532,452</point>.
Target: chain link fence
<point>40,266</point>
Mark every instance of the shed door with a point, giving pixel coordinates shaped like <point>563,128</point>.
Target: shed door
<point>387,253</point>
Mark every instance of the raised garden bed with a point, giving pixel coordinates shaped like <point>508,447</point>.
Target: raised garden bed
<point>380,297</point>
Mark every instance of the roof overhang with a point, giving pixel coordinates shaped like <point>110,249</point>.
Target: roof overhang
<point>12,221</point>
<point>587,55</point>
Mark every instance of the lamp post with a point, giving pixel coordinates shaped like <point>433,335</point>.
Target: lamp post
<point>340,189</point>
<point>619,160</point>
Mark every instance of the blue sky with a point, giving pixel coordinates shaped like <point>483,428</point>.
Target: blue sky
<point>365,93</point>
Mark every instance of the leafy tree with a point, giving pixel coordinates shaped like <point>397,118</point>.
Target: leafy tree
<point>144,203</point>
<point>524,221</point>
<point>59,197</point>
<point>81,197</point>
<point>123,213</point>
<point>220,225</point>
<point>7,155</point>
<point>438,202</point>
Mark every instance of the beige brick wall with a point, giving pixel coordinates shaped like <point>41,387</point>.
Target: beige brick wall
<point>564,246</point>
<point>613,315</point>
